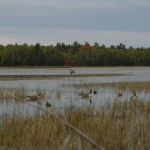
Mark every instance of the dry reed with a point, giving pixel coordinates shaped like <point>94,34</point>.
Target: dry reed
<point>121,128</point>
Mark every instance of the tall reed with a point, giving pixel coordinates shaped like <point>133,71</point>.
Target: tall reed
<point>122,127</point>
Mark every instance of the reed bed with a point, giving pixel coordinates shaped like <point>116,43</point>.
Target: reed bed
<point>122,127</point>
<point>19,93</point>
<point>42,77</point>
<point>137,86</point>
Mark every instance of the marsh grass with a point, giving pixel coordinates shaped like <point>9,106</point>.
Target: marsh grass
<point>137,86</point>
<point>42,77</point>
<point>19,93</point>
<point>121,128</point>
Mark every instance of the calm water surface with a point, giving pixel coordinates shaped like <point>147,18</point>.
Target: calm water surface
<point>60,95</point>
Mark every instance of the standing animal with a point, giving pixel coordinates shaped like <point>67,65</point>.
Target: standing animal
<point>134,97</point>
<point>48,104</point>
<point>133,103</point>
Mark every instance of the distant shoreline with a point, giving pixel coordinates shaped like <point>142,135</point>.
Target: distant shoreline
<point>36,67</point>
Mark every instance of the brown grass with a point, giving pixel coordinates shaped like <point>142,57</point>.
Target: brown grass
<point>122,127</point>
<point>137,86</point>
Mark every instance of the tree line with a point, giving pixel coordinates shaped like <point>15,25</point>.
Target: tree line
<point>74,54</point>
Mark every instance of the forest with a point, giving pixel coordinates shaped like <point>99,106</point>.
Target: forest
<point>74,54</point>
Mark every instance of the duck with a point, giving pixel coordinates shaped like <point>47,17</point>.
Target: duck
<point>48,104</point>
<point>33,98</point>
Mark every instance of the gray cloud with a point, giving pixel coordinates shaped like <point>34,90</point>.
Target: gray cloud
<point>65,15</point>
<point>53,35</point>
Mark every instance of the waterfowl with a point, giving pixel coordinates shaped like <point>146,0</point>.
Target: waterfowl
<point>33,98</point>
<point>119,94</point>
<point>48,104</point>
<point>94,92</point>
<point>133,104</point>
<point>118,98</point>
<point>71,71</point>
<point>134,97</point>
<point>80,94</point>
<point>86,95</point>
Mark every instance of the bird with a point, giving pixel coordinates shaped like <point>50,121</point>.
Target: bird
<point>71,71</point>
<point>80,94</point>
<point>94,92</point>
<point>134,97</point>
<point>133,102</point>
<point>119,94</point>
<point>33,98</point>
<point>48,104</point>
<point>117,99</point>
<point>86,95</point>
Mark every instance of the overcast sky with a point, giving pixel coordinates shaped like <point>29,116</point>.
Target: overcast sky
<point>51,21</point>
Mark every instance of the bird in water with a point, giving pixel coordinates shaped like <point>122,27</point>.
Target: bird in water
<point>48,104</point>
<point>87,95</point>
<point>71,71</point>
<point>94,92</point>
<point>33,98</point>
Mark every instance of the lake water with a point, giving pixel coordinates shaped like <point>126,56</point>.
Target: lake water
<point>60,93</point>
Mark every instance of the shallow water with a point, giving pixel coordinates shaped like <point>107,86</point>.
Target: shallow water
<point>60,95</point>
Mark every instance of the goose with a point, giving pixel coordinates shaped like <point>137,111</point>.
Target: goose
<point>134,97</point>
<point>86,95</point>
<point>33,98</point>
<point>71,71</point>
<point>48,104</point>
<point>80,94</point>
<point>117,99</point>
<point>133,102</point>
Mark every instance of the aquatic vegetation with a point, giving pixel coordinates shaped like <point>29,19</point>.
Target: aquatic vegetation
<point>133,86</point>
